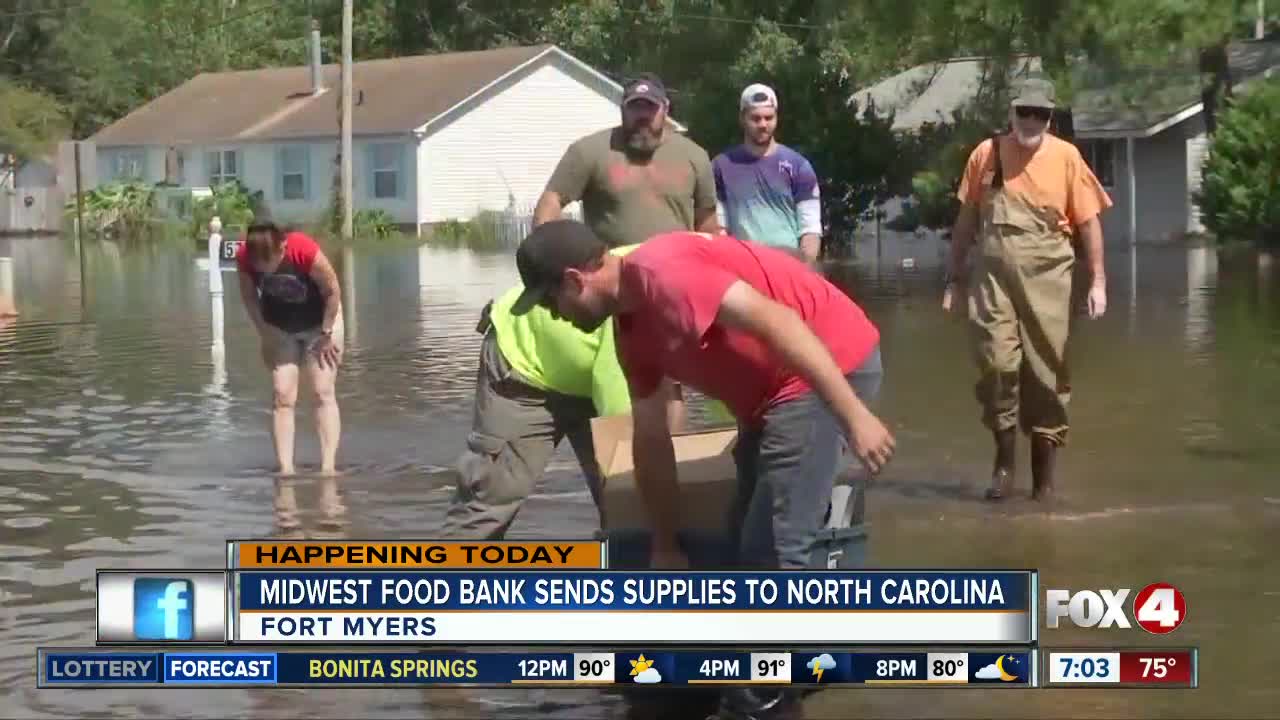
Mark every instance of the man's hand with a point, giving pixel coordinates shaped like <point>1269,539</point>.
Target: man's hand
<point>962,234</point>
<point>1097,299</point>
<point>950,296</point>
<point>870,440</point>
<point>783,332</point>
<point>1090,232</point>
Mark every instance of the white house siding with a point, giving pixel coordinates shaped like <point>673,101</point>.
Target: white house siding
<point>1197,149</point>
<point>1162,186</point>
<point>258,168</point>
<point>506,147</point>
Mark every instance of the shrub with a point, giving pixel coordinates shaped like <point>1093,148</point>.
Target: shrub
<point>487,232</point>
<point>936,197</point>
<point>125,209</point>
<point>1239,194</point>
<point>376,224</point>
<point>232,202</point>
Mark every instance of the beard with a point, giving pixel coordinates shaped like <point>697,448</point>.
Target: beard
<point>761,139</point>
<point>1028,141</point>
<point>643,139</point>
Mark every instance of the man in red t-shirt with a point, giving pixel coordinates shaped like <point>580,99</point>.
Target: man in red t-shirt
<point>290,291</point>
<point>743,323</point>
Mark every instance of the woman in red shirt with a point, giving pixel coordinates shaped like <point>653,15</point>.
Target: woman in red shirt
<point>291,293</point>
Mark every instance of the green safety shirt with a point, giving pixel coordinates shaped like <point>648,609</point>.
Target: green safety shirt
<point>554,355</point>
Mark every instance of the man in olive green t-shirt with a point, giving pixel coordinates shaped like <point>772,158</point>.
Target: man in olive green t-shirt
<point>638,179</point>
<point>540,380</point>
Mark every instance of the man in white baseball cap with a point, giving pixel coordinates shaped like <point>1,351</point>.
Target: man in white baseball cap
<point>766,191</point>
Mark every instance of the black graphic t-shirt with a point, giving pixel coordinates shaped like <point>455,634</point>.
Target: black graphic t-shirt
<point>289,298</point>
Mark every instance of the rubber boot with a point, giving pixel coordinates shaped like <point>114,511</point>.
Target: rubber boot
<point>1043,456</point>
<point>1006,456</point>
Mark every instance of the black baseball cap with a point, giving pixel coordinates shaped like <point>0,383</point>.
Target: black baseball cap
<point>645,87</point>
<point>546,253</point>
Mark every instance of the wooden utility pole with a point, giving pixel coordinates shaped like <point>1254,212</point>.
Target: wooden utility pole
<point>80,225</point>
<point>347,214</point>
<point>1260,27</point>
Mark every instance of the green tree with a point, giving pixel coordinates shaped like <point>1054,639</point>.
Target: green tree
<point>1239,195</point>
<point>31,122</point>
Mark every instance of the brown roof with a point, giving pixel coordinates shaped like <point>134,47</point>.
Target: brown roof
<point>399,94</point>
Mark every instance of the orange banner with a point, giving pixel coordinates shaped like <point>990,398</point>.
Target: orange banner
<point>419,554</point>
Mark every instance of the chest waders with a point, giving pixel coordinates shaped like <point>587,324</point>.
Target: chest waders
<point>1019,316</point>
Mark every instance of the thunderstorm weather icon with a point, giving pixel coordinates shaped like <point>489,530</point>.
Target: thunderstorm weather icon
<point>644,672</point>
<point>1005,668</point>
<point>821,664</point>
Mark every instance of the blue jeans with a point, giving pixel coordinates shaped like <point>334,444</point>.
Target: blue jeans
<point>786,470</point>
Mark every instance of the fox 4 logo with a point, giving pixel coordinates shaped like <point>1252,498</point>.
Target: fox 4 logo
<point>1158,608</point>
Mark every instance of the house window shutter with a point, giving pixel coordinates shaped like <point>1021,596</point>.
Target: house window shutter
<point>279,183</point>
<point>369,174</point>
<point>402,175</point>
<point>212,164</point>
<point>306,172</point>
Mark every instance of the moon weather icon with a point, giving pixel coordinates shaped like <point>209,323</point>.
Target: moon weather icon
<point>1004,674</point>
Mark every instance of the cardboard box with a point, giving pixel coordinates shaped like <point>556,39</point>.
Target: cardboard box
<point>704,461</point>
<point>708,483</point>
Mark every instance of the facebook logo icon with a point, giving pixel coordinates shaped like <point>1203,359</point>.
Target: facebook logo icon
<point>163,609</point>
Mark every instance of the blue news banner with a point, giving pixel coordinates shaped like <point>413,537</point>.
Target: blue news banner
<point>89,667</point>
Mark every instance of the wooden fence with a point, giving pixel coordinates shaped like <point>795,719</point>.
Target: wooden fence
<point>30,211</point>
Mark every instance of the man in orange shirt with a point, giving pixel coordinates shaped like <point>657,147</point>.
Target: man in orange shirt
<point>1024,195</point>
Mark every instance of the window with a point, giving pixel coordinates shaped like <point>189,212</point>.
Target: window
<point>384,160</point>
<point>293,163</point>
<point>129,164</point>
<point>1100,156</point>
<point>223,167</point>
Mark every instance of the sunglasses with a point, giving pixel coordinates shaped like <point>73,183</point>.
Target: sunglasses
<point>1039,113</point>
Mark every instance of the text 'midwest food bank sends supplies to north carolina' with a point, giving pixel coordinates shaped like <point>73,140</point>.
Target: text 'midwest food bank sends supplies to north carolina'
<point>592,606</point>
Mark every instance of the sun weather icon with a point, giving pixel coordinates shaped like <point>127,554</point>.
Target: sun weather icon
<point>821,664</point>
<point>643,671</point>
<point>1006,668</point>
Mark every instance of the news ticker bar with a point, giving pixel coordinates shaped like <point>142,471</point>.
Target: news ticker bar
<point>216,667</point>
<point>558,607</point>
<point>1009,668</point>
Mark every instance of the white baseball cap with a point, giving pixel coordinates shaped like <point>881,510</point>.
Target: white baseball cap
<point>758,95</point>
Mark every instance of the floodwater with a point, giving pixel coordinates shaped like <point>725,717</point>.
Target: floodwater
<point>133,434</point>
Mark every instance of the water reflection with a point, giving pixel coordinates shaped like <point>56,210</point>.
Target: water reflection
<point>135,434</point>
